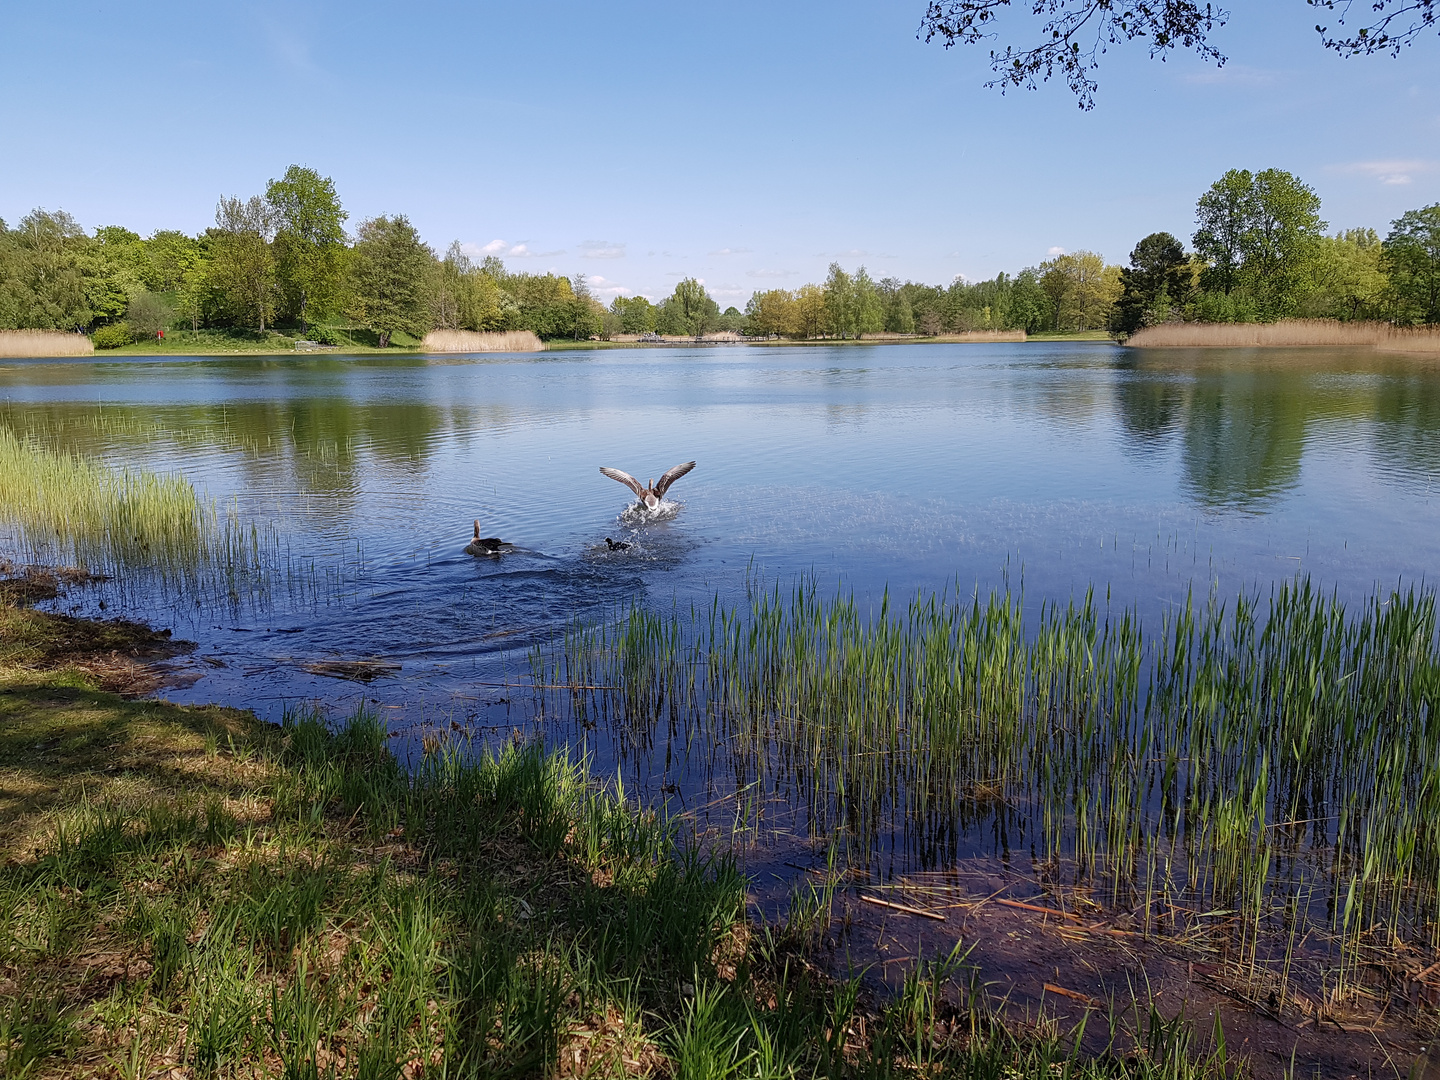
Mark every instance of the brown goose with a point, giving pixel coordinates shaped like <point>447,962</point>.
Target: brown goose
<point>484,545</point>
<point>652,492</point>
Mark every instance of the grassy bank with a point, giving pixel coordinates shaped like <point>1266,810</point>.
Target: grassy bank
<point>188,892</point>
<point>351,340</point>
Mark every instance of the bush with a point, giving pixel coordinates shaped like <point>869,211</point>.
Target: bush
<point>324,335</point>
<point>112,336</point>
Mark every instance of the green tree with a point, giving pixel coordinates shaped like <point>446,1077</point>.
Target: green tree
<point>1157,281</point>
<point>1222,217</point>
<point>149,313</point>
<point>309,240</point>
<point>1280,239</point>
<point>586,313</point>
<point>242,266</point>
<point>1257,233</point>
<point>1081,288</point>
<point>1411,257</point>
<point>771,313</point>
<point>693,308</point>
<point>869,309</point>
<point>636,314</point>
<point>839,302</point>
<point>388,272</point>
<point>1344,279</point>
<point>55,279</point>
<point>171,255</point>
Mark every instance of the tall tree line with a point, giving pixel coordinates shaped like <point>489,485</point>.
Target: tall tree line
<point>1260,251</point>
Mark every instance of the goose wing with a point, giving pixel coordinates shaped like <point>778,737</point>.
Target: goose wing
<point>626,479</point>
<point>671,475</point>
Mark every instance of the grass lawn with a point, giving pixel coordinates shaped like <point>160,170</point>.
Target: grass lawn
<point>190,892</point>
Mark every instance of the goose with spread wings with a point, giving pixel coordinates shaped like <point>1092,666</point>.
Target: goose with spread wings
<point>652,492</point>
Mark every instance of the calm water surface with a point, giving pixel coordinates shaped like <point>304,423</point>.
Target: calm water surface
<point>901,467</point>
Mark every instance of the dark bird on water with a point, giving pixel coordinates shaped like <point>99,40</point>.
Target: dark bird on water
<point>616,545</point>
<point>652,492</point>
<point>484,545</point>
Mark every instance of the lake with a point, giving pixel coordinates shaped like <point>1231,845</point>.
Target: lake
<point>1052,466</point>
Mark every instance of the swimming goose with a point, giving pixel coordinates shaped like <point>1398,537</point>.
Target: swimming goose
<point>654,491</point>
<point>617,545</point>
<point>486,545</point>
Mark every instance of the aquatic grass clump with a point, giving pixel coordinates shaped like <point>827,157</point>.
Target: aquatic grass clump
<point>1271,755</point>
<point>72,510</point>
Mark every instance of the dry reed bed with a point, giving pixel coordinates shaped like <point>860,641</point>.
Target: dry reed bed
<point>26,344</point>
<point>473,341</point>
<point>1288,332</point>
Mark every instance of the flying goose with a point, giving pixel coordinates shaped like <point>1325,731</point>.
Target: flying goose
<point>486,545</point>
<point>617,545</point>
<point>654,491</point>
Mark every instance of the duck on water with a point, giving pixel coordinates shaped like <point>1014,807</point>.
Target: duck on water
<point>485,545</point>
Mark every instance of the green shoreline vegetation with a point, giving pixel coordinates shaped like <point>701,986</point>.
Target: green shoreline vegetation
<point>283,261</point>
<point>189,892</point>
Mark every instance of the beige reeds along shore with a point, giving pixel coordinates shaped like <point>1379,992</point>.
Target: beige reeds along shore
<point>1288,332</point>
<point>468,341</point>
<point>16,344</point>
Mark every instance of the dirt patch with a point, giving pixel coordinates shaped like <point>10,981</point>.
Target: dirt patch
<point>120,655</point>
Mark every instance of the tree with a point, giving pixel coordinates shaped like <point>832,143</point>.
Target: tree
<point>1344,279</point>
<point>1157,280</point>
<point>586,314</point>
<point>54,279</point>
<point>388,274</point>
<point>693,308</point>
<point>1257,232</point>
<point>309,240</point>
<point>1411,257</point>
<point>242,266</point>
<point>1280,238</point>
<point>771,313</point>
<point>869,310</point>
<point>839,302</point>
<point>149,314</point>
<point>1081,289</point>
<point>1077,32</point>
<point>1222,216</point>
<point>636,314</point>
<point>809,311</point>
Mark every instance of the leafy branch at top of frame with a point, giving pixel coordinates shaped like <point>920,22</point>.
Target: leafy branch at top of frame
<point>1378,37</point>
<point>1077,32</point>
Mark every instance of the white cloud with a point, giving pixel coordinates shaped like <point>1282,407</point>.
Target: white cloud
<point>1052,252</point>
<point>730,251</point>
<point>771,273</point>
<point>601,249</point>
<point>728,292</point>
<point>1387,172</point>
<point>522,251</point>
<point>600,286</point>
<point>507,250</point>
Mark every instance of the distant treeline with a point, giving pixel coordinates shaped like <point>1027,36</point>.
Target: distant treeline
<point>284,259</point>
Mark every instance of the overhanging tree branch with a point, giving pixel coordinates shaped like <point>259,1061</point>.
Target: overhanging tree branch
<point>1378,37</point>
<point>1076,33</point>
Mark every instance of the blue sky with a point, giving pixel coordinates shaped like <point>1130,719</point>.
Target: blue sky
<point>745,143</point>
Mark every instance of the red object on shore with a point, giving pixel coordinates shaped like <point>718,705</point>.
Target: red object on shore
<point>160,335</point>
